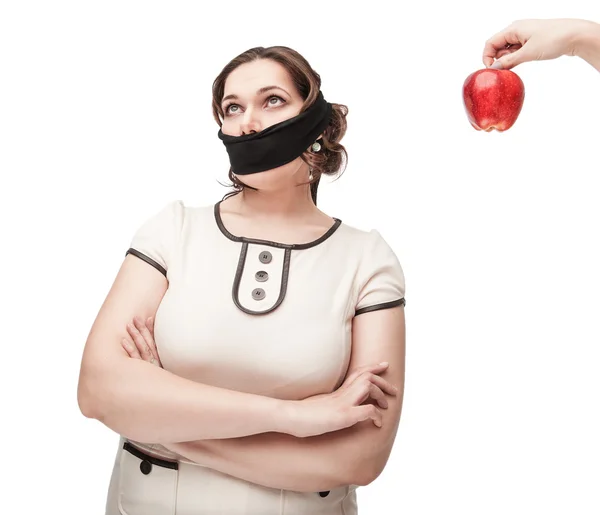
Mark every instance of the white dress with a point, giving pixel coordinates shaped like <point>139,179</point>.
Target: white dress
<point>256,316</point>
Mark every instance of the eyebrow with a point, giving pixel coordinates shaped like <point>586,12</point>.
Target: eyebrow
<point>259,92</point>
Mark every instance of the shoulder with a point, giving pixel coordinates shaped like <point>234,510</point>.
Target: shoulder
<point>371,251</point>
<point>176,213</point>
<point>158,237</point>
<point>380,276</point>
<point>365,239</point>
<point>170,210</point>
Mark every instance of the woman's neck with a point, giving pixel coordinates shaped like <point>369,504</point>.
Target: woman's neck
<point>288,204</point>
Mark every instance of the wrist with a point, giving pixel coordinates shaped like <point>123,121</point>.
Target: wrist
<point>585,39</point>
<point>285,416</point>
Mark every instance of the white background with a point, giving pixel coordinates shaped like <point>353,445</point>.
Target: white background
<point>105,117</point>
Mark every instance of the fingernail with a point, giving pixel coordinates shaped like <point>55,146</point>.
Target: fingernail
<point>497,65</point>
<point>384,363</point>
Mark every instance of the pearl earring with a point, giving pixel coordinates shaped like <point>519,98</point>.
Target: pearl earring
<point>316,146</point>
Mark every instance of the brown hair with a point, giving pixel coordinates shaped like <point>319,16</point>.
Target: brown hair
<point>332,158</point>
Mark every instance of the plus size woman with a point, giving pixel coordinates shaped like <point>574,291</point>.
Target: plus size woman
<point>271,319</point>
<point>250,353</point>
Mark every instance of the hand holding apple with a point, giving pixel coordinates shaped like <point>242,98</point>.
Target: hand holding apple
<point>493,99</point>
<point>538,40</point>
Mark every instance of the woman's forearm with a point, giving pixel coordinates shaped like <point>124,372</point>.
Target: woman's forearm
<point>587,44</point>
<point>149,404</point>
<point>282,461</point>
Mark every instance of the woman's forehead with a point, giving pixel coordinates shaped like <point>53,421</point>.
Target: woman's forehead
<point>248,78</point>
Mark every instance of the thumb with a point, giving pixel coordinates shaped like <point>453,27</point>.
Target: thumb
<point>508,61</point>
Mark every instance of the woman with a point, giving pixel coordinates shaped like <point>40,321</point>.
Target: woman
<point>271,320</point>
<point>264,304</point>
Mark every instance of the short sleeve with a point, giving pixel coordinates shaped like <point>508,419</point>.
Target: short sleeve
<point>156,239</point>
<point>380,277</point>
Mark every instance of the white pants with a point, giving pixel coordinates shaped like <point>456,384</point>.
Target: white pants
<point>145,485</point>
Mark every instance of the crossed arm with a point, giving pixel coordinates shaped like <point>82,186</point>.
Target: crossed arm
<point>356,455</point>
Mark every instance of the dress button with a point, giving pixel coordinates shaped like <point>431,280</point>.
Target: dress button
<point>146,467</point>
<point>265,256</point>
<point>324,494</point>
<point>258,294</point>
<point>261,276</point>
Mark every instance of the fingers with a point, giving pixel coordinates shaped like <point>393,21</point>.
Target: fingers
<point>370,386</point>
<point>499,41</point>
<point>368,411</point>
<point>376,394</point>
<point>141,344</point>
<point>364,383</point>
<point>505,51</point>
<point>152,343</point>
<point>130,348</point>
<point>375,369</point>
<point>376,388</point>
<point>150,325</point>
<point>147,334</point>
<point>384,385</point>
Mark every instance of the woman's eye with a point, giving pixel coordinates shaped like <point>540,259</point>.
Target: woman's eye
<point>270,101</point>
<point>276,98</point>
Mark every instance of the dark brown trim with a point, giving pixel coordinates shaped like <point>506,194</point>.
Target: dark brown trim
<point>383,305</point>
<point>148,260</point>
<point>238,278</point>
<point>294,246</point>
<point>155,461</point>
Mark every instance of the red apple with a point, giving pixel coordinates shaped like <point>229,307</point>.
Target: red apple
<point>493,99</point>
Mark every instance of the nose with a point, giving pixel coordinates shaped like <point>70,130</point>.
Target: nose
<point>250,123</point>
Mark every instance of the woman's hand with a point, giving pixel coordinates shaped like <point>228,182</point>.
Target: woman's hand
<point>535,40</point>
<point>143,346</point>
<point>343,408</point>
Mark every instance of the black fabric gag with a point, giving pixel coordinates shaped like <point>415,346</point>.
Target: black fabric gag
<point>278,144</point>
